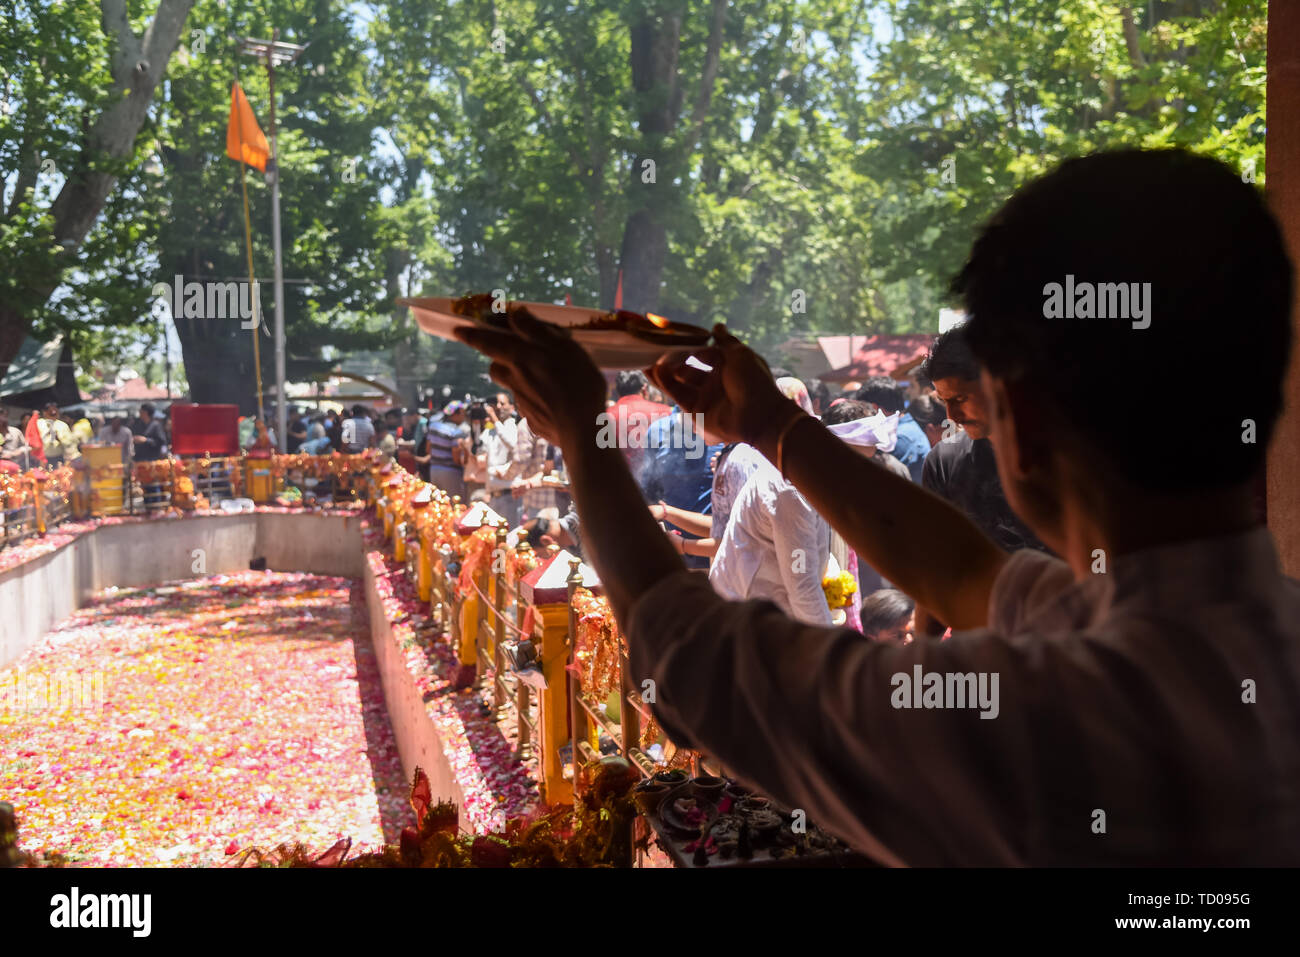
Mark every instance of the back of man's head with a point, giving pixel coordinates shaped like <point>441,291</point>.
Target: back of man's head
<point>846,410</point>
<point>1207,278</point>
<point>927,410</point>
<point>883,391</point>
<point>629,382</point>
<point>885,610</point>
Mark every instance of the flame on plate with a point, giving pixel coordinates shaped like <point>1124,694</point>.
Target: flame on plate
<point>659,321</point>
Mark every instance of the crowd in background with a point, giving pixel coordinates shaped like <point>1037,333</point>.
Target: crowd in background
<point>726,508</point>
<point>731,513</point>
<point>50,438</point>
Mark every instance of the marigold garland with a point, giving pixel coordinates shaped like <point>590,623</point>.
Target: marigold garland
<point>598,645</point>
<point>519,562</point>
<point>839,589</point>
<point>594,833</point>
<point>476,554</point>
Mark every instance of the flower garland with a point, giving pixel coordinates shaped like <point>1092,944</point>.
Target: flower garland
<point>476,554</point>
<point>839,589</point>
<point>15,490</point>
<point>154,472</point>
<point>594,833</point>
<point>519,562</point>
<point>598,645</point>
<point>336,465</point>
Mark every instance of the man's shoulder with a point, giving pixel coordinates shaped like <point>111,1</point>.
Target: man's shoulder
<point>891,463</point>
<point>953,447</point>
<point>764,481</point>
<point>745,456</point>
<point>939,462</point>
<point>949,451</point>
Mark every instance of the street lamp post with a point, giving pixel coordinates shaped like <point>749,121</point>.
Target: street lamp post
<point>275,53</point>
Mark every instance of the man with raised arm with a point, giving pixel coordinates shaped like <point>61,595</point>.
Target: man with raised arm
<point>1132,703</point>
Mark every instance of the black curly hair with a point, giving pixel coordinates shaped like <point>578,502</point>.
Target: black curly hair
<point>1220,289</point>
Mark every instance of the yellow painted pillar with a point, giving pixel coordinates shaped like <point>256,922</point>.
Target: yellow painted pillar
<point>441,597</point>
<point>551,638</point>
<point>424,567</point>
<point>469,630</point>
<point>38,500</point>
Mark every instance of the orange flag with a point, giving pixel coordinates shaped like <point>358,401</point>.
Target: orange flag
<point>33,437</point>
<point>244,139</point>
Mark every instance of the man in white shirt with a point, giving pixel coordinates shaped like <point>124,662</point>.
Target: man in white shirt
<point>732,469</point>
<point>775,547</point>
<point>531,454</point>
<point>60,443</point>
<point>117,433</point>
<point>13,444</point>
<point>358,431</point>
<point>1134,704</point>
<point>504,468</point>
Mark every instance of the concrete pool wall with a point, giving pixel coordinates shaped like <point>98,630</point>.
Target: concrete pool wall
<point>39,593</point>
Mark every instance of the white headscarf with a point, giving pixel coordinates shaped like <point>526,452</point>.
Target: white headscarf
<point>879,430</point>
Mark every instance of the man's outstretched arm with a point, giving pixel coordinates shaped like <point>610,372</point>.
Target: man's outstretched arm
<point>924,545</point>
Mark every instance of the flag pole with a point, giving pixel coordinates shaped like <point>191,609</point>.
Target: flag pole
<point>282,409</point>
<point>274,51</point>
<point>252,289</point>
<point>252,278</point>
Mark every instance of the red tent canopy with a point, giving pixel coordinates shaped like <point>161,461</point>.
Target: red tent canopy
<point>881,355</point>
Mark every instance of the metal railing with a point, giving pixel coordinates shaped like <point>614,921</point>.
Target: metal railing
<point>489,604</point>
<point>33,502</point>
<point>38,500</point>
<point>500,618</point>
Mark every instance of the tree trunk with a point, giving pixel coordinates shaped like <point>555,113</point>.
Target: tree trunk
<point>138,64</point>
<point>655,44</point>
<point>405,352</point>
<point>218,357</point>
<point>656,37</point>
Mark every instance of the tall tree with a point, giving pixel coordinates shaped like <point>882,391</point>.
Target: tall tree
<point>75,106</point>
<point>333,221</point>
<point>977,96</point>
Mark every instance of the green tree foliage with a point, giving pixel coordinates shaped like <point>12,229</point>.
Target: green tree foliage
<point>977,96</point>
<point>331,212</point>
<point>76,83</point>
<point>787,166</point>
